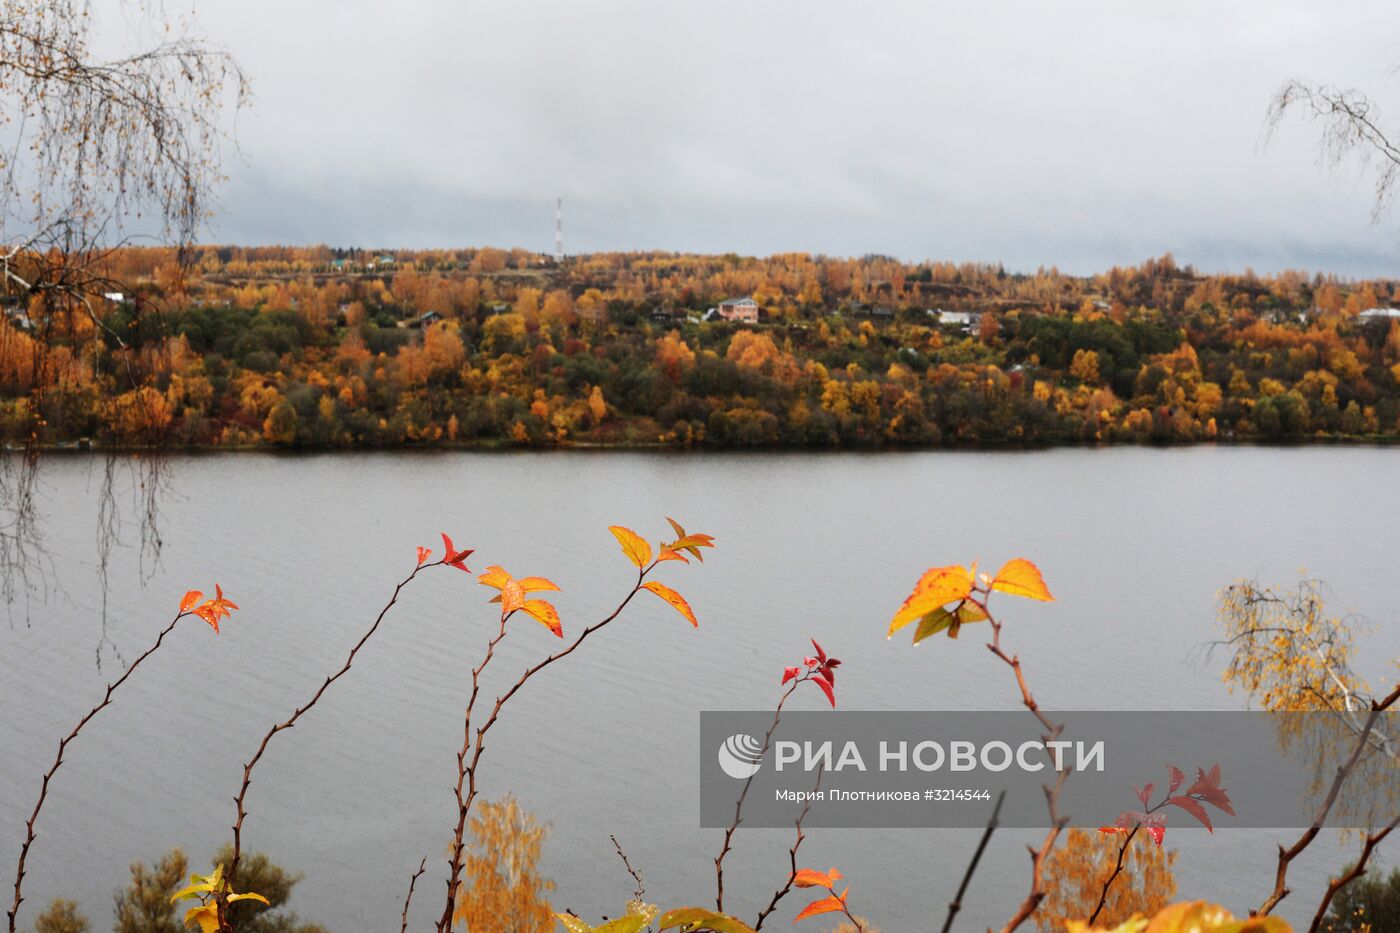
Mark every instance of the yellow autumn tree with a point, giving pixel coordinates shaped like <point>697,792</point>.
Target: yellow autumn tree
<point>503,891</point>
<point>1076,871</point>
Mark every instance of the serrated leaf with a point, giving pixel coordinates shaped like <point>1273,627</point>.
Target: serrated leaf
<point>622,925</point>
<point>676,600</point>
<point>1019,577</point>
<point>537,584</point>
<point>811,878</point>
<point>545,614</point>
<point>937,587</point>
<point>634,546</point>
<point>1193,808</point>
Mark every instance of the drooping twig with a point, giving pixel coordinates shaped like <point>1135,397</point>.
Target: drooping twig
<point>241,799</point>
<point>1286,856</point>
<point>63,744</point>
<point>467,770</point>
<point>412,882</point>
<point>1052,791</point>
<point>1356,871</point>
<point>782,892</point>
<point>955,904</point>
<point>640,891</point>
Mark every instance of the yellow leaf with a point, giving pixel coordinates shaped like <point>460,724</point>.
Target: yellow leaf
<point>674,598</point>
<point>248,896</point>
<point>494,576</point>
<point>937,587</point>
<point>573,924</point>
<point>634,546</point>
<point>1022,578</point>
<point>545,614</point>
<point>534,584</point>
<point>207,916</point>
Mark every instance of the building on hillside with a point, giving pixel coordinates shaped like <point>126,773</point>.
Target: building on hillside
<point>742,310</point>
<point>423,320</point>
<point>1373,313</point>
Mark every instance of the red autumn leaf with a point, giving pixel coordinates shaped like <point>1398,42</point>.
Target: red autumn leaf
<point>790,672</point>
<point>454,557</point>
<point>190,599</point>
<point>1207,787</point>
<point>826,686</point>
<point>1177,778</point>
<point>1144,793</point>
<point>423,554</point>
<point>1193,808</point>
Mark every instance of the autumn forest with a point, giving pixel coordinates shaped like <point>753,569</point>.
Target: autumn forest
<point>314,347</point>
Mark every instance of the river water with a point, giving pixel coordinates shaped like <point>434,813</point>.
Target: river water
<point>1135,543</point>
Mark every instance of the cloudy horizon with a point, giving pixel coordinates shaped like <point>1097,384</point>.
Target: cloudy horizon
<point>1079,136</point>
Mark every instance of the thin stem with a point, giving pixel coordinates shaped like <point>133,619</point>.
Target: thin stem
<point>1052,791</point>
<point>444,924</point>
<point>744,792</point>
<point>29,835</point>
<point>1356,871</point>
<point>955,904</point>
<point>1286,856</point>
<point>412,883</point>
<point>241,799</point>
<point>639,892</point>
<point>782,892</point>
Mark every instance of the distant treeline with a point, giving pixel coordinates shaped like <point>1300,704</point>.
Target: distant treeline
<point>324,348</point>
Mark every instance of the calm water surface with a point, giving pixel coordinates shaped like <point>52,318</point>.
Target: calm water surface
<point>1135,543</point>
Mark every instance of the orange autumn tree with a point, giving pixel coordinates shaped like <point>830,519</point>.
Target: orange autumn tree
<point>504,891</point>
<point>1075,875</point>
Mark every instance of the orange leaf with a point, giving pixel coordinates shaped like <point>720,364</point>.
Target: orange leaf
<point>811,878</point>
<point>674,598</point>
<point>545,614</point>
<point>190,600</point>
<point>512,596</point>
<point>937,587</point>
<point>826,905</point>
<point>668,554</point>
<point>634,546</point>
<point>534,584</point>
<point>423,554</point>
<point>494,577</point>
<point>1022,578</point>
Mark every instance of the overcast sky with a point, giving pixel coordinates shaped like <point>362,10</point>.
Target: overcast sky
<point>1074,134</point>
